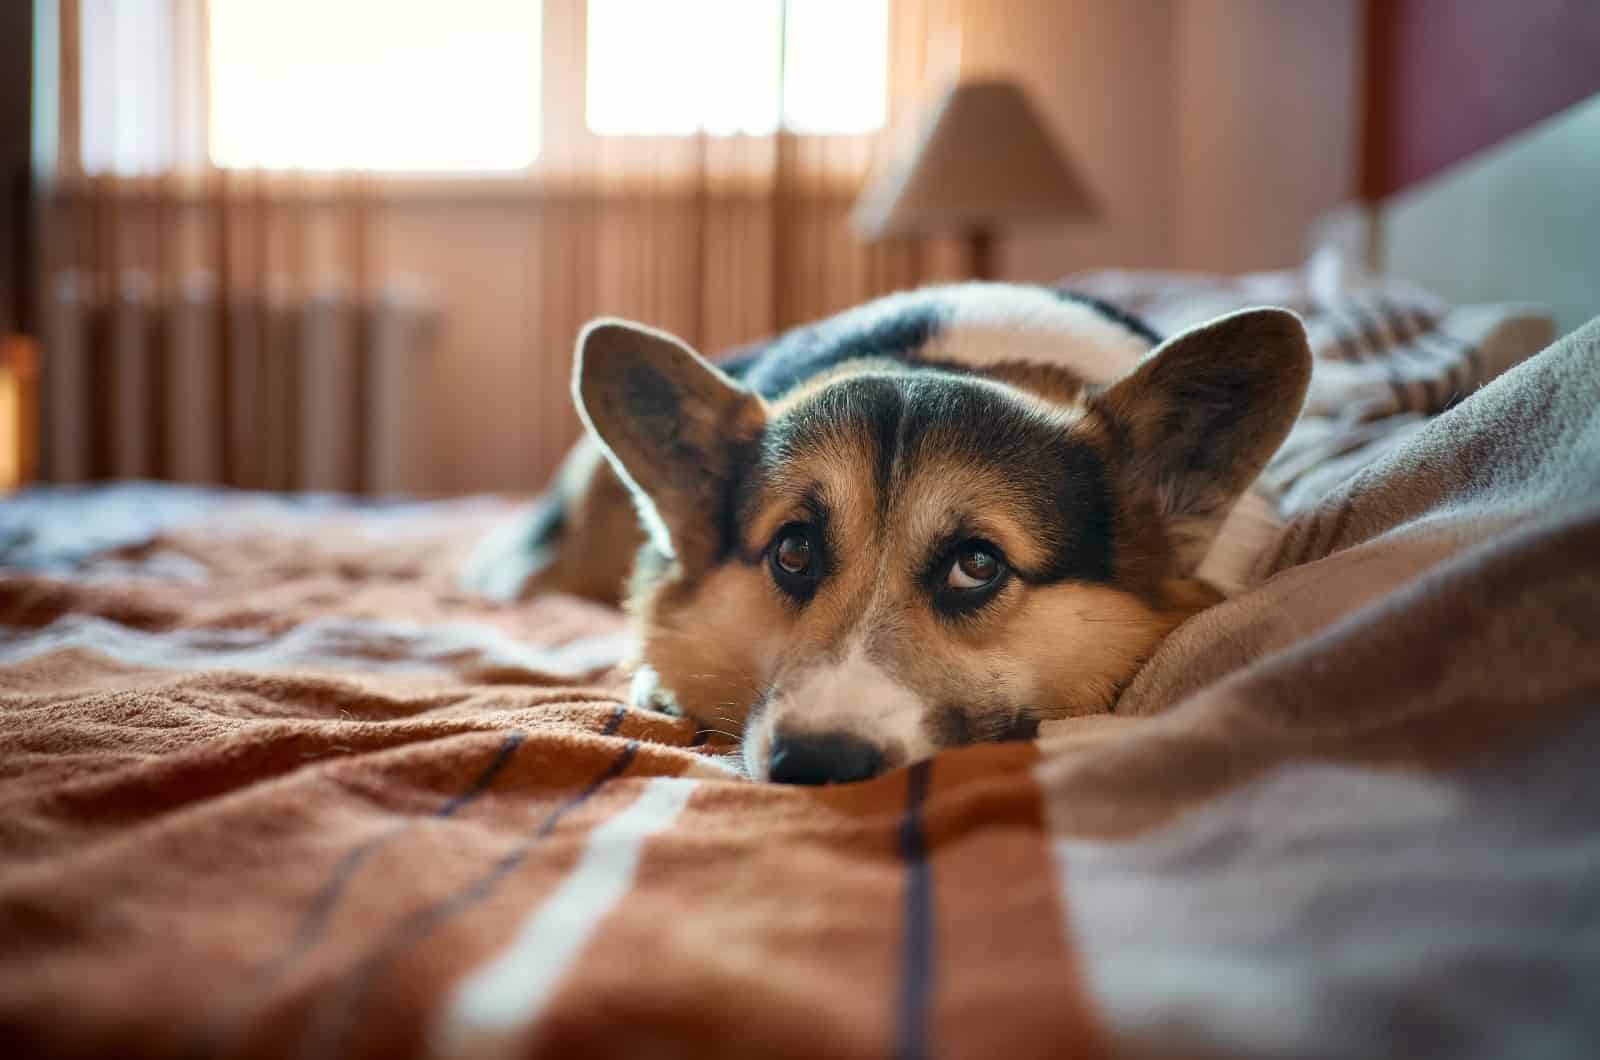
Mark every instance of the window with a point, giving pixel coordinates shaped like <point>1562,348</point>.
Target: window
<point>730,66</point>
<point>126,63</point>
<point>454,86</point>
<point>408,85</point>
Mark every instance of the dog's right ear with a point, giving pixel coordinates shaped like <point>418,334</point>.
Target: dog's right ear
<point>671,424</point>
<point>1200,417</point>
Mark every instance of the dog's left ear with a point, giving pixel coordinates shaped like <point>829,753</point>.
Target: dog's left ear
<point>1197,420</point>
<point>670,422</point>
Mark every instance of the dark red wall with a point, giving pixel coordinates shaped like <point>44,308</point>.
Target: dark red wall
<point>1447,78</point>
<point>16,104</point>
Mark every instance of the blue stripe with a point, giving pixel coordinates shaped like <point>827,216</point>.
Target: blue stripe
<point>322,906</point>
<point>327,1033</point>
<point>916,954</point>
<point>320,912</point>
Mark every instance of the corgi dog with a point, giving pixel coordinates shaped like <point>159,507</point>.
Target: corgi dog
<point>937,519</point>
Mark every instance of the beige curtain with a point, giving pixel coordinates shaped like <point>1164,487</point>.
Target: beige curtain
<point>440,311</point>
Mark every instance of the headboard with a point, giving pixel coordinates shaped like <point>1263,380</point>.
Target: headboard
<point>1520,222</point>
<point>1480,158</point>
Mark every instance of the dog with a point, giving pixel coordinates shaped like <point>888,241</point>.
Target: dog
<point>934,520</point>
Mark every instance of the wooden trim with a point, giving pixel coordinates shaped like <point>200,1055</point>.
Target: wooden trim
<point>16,125</point>
<point>1377,36</point>
<point>317,187</point>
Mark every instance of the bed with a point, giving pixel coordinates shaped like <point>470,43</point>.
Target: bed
<point>274,786</point>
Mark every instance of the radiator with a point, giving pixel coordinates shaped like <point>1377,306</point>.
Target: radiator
<point>303,390</point>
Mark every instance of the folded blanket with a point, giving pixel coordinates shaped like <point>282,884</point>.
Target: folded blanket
<point>1371,824</point>
<point>269,786</point>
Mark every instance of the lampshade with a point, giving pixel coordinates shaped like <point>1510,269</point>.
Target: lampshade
<point>983,160</point>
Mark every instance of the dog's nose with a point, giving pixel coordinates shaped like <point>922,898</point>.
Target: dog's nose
<point>822,758</point>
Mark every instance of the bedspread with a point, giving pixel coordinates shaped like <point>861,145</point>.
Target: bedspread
<point>271,786</point>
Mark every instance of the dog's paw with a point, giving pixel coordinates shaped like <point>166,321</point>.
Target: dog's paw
<point>646,693</point>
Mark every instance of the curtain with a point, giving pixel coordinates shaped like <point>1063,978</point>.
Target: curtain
<point>719,239</point>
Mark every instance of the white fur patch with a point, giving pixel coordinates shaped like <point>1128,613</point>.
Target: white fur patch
<point>852,696</point>
<point>993,322</point>
<point>645,693</point>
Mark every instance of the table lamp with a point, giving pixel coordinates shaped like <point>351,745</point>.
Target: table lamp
<point>983,161</point>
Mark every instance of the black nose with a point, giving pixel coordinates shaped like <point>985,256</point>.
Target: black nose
<point>824,758</point>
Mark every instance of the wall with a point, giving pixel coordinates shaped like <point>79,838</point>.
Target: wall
<point>1267,98</point>
<point>1101,76</point>
<point>1527,60</point>
<point>1213,133</point>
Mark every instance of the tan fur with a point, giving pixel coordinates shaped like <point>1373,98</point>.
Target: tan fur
<point>601,535</point>
<point>1054,651</point>
<point>869,655</point>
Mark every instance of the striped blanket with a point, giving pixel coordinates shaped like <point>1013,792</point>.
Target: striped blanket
<point>270,786</point>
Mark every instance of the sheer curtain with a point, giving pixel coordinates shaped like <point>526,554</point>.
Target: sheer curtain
<point>721,239</point>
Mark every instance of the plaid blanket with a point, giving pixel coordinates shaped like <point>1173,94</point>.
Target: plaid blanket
<point>272,787</point>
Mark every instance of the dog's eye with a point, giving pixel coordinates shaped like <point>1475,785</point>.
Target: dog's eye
<point>974,567</point>
<point>796,559</point>
<point>966,578</point>
<point>793,554</point>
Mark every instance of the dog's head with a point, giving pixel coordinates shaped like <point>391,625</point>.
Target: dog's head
<point>897,559</point>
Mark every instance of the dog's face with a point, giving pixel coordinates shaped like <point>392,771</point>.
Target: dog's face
<point>894,559</point>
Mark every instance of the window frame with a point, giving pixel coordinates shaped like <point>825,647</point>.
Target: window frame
<point>573,163</point>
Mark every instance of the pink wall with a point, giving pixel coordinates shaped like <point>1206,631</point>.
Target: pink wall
<point>1213,133</point>
<point>1267,118</point>
<point>1101,76</point>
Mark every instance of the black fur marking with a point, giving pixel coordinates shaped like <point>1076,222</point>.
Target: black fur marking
<point>947,726</point>
<point>931,415</point>
<point>807,352</point>
<point>547,519</point>
<point>1022,726</point>
<point>1061,477</point>
<point>1115,314</point>
<point>952,725</point>
<point>885,411</point>
<point>741,459</point>
<point>1082,501</point>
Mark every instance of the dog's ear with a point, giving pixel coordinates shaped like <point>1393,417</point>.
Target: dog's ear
<point>1193,425</point>
<point>669,421</point>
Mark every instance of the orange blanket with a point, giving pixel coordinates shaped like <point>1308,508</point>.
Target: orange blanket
<point>370,816</point>
<point>270,786</point>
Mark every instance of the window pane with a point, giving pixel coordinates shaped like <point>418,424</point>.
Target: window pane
<point>671,69</point>
<point>836,76</point>
<point>413,85</point>
<point>126,59</point>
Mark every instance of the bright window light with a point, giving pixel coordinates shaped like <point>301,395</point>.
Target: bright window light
<point>672,69</point>
<point>125,67</point>
<point>836,75</point>
<point>406,85</point>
